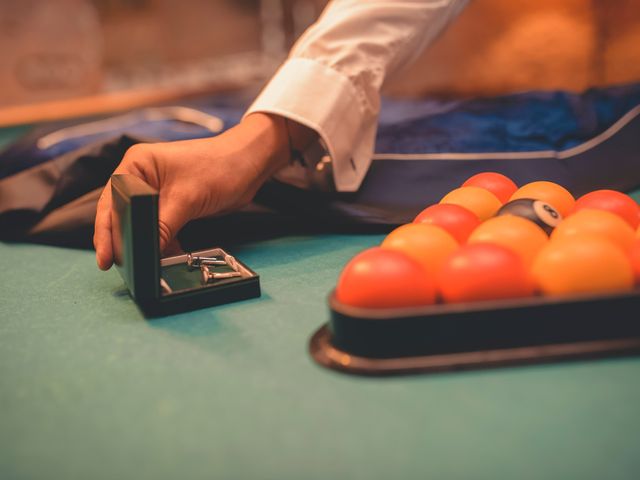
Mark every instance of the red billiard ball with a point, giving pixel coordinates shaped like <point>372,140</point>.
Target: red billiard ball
<point>456,220</point>
<point>500,185</point>
<point>384,278</point>
<point>484,271</point>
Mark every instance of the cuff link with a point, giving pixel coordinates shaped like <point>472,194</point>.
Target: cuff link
<point>208,276</point>
<point>204,263</point>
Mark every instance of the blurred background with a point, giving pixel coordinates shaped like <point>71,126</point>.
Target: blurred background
<point>64,58</point>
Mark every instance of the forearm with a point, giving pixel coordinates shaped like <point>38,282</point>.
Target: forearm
<point>332,79</point>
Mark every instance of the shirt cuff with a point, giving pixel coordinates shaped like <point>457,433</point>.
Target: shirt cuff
<point>326,101</point>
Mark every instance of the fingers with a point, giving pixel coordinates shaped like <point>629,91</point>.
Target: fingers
<point>102,240</point>
<point>102,231</point>
<point>161,166</point>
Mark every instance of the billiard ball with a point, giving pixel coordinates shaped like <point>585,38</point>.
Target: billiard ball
<point>427,244</point>
<point>498,184</point>
<point>548,192</point>
<point>384,278</point>
<point>539,212</point>
<point>596,223</point>
<point>483,271</point>
<point>456,220</point>
<point>582,264</point>
<point>612,201</point>
<point>518,234</point>
<point>478,200</point>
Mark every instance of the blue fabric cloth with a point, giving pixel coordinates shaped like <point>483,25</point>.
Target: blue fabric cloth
<point>531,121</point>
<point>25,152</point>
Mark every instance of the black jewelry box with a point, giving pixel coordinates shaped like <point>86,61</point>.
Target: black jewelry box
<point>477,335</point>
<point>168,285</point>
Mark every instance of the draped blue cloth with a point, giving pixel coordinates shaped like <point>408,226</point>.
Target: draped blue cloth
<point>530,121</point>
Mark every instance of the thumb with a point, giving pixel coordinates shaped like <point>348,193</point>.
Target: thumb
<point>171,218</point>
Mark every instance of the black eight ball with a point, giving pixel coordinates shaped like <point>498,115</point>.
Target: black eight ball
<point>539,212</point>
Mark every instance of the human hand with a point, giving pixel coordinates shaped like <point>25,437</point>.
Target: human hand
<point>198,178</point>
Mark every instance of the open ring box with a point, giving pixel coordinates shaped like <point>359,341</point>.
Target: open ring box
<point>162,286</point>
<point>444,337</point>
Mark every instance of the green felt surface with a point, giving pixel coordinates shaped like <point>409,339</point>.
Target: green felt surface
<point>90,389</point>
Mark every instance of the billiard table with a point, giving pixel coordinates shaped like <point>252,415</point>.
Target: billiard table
<point>91,389</point>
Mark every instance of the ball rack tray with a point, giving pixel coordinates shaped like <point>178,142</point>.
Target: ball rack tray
<point>445,337</point>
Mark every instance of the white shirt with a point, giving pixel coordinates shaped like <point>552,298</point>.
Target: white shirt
<point>332,78</point>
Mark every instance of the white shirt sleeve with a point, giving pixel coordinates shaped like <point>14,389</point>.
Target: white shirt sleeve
<point>332,79</point>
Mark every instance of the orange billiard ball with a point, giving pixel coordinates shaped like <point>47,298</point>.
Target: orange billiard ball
<point>582,264</point>
<point>611,201</point>
<point>518,234</point>
<point>556,195</point>
<point>599,223</point>
<point>478,200</point>
<point>427,244</point>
